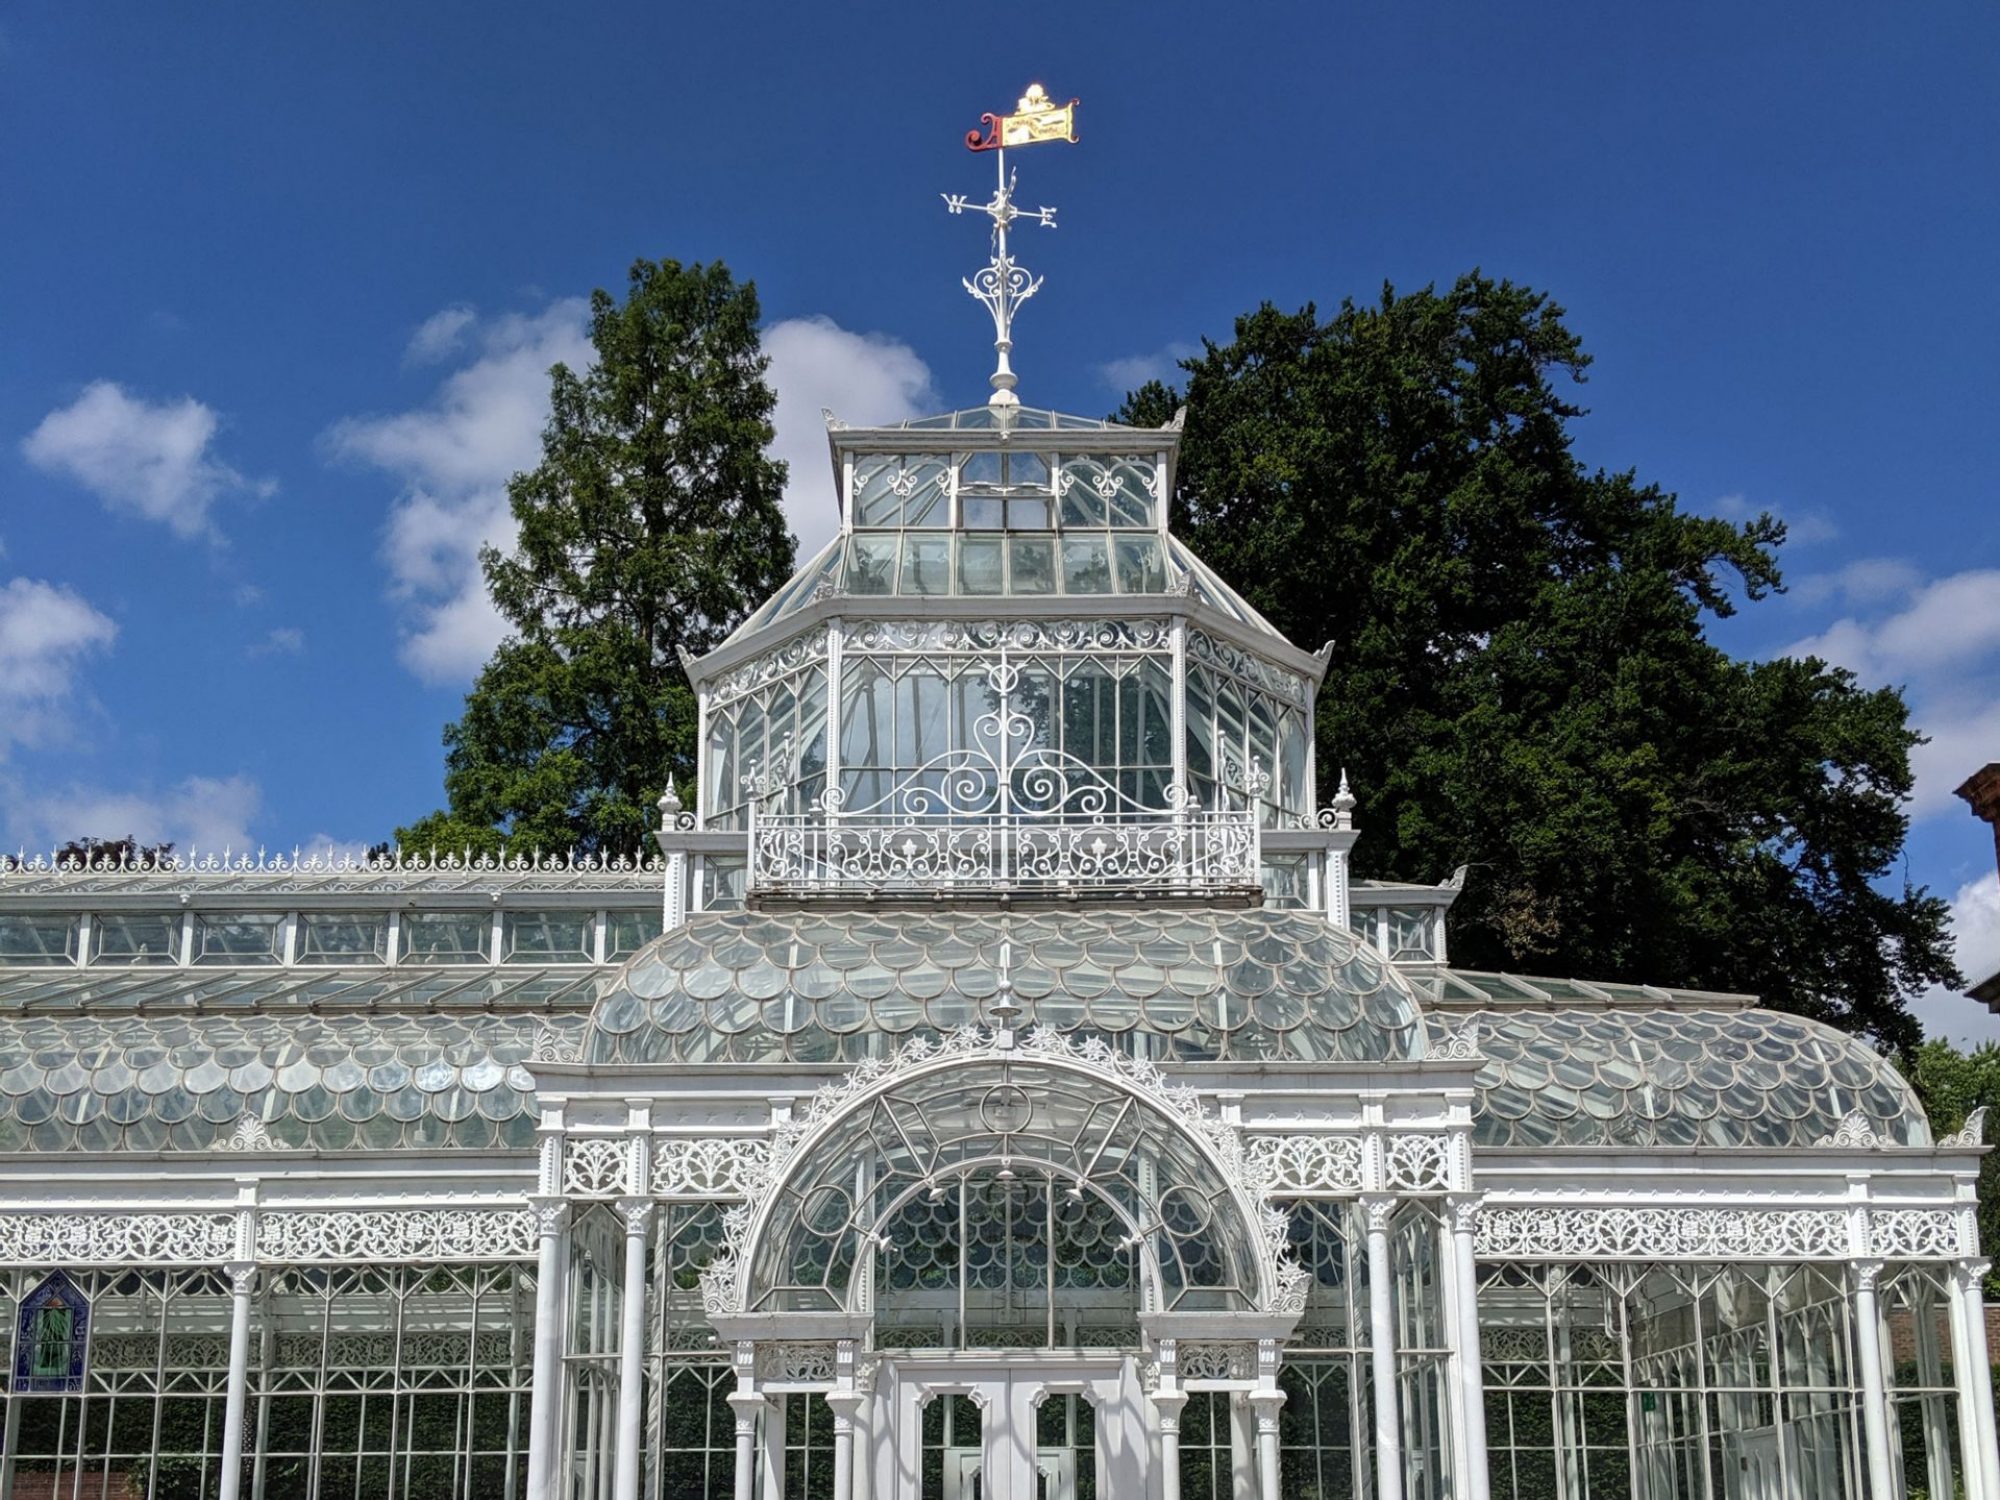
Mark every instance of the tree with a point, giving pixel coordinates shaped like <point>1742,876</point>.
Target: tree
<point>651,527</point>
<point>1522,682</point>
<point>1952,1084</point>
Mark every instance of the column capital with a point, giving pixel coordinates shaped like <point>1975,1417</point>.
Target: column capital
<point>1867,1272</point>
<point>637,1214</point>
<point>1378,1208</point>
<point>242,1276</point>
<point>1267,1405</point>
<point>1971,1273</point>
<point>551,1216</point>
<point>1465,1210</point>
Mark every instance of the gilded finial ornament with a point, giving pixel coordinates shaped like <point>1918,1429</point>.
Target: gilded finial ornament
<point>1002,286</point>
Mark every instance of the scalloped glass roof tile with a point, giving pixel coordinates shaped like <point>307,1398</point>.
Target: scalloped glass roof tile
<point>132,1082</point>
<point>1183,985</point>
<point>1605,1076</point>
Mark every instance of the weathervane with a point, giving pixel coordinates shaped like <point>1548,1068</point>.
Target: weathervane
<point>1003,286</point>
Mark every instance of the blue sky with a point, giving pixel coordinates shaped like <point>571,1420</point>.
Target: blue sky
<point>280,284</point>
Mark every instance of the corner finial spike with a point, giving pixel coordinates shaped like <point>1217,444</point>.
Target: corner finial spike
<point>1002,286</point>
<point>1344,803</point>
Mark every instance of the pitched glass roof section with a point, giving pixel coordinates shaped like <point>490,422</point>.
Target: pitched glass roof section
<point>1013,419</point>
<point>1655,1077</point>
<point>102,990</point>
<point>831,572</point>
<point>300,873</point>
<point>1177,985</point>
<point>188,1083</point>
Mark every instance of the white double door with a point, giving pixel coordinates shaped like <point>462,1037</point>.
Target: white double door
<point>1055,1474</point>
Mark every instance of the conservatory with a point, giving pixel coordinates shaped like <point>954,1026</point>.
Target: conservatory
<point>995,1088</point>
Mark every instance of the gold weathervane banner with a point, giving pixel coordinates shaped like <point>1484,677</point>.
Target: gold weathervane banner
<point>1036,118</point>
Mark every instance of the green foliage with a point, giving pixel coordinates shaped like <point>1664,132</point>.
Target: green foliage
<point>651,527</point>
<point>1521,681</point>
<point>1952,1084</point>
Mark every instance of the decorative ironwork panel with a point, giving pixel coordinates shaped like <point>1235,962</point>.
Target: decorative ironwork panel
<point>594,1167</point>
<point>1662,1234</point>
<point>1308,1163</point>
<point>711,1167</point>
<point>1918,1234</point>
<point>123,1239</point>
<point>412,1234</point>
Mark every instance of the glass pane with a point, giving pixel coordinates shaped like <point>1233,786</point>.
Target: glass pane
<point>872,565</point>
<point>876,502</point>
<point>447,937</point>
<point>1142,569</point>
<point>36,939</point>
<point>242,938</point>
<point>1031,564</point>
<point>329,937</point>
<point>979,565</point>
<point>721,883</point>
<point>629,931</point>
<point>556,937</point>
<point>1086,565</point>
<point>926,565</point>
<point>982,512</point>
<point>135,938</point>
<point>1029,514</point>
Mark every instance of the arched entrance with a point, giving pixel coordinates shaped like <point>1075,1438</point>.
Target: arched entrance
<point>1016,1230</point>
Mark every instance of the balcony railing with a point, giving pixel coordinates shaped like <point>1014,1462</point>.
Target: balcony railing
<point>1046,824</point>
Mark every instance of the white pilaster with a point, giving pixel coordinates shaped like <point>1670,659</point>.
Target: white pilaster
<point>748,1407</point>
<point>1382,1349</point>
<point>545,1397</point>
<point>638,1216</point>
<point>1267,1405</point>
<point>1874,1394</point>
<point>242,1269</point>
<point>1972,1367</point>
<point>1169,1407</point>
<point>1471,1407</point>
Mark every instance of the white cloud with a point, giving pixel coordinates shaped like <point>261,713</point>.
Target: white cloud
<point>46,631</point>
<point>147,458</point>
<point>1940,642</point>
<point>201,813</point>
<point>1803,528</point>
<point>1133,371</point>
<point>440,336</point>
<point>1865,581</point>
<point>865,379</point>
<point>1975,920</point>
<point>285,640</point>
<point>484,424</point>
<point>454,457</point>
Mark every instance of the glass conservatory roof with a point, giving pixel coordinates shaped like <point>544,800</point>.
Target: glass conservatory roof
<point>188,1083</point>
<point>1015,419</point>
<point>1658,1077</point>
<point>1200,984</point>
<point>833,568</point>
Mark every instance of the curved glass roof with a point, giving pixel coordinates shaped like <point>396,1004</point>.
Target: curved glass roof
<point>152,1083</point>
<point>1178,985</point>
<point>1576,1077</point>
<point>831,567</point>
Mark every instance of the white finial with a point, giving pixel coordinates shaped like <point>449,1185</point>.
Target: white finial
<point>1003,286</point>
<point>1344,803</point>
<point>669,804</point>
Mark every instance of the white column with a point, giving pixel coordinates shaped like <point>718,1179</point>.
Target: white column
<point>242,1282</point>
<point>1267,1405</point>
<point>1169,1406</point>
<point>638,1216</point>
<point>1971,1364</point>
<point>844,1405</point>
<point>1874,1394</point>
<point>1382,1349</point>
<point>1464,1211</point>
<point>545,1396</point>
<point>747,1408</point>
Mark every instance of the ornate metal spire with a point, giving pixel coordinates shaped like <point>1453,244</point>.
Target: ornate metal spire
<point>1002,286</point>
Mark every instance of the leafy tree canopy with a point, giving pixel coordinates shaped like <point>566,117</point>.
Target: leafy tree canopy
<point>1952,1085</point>
<point>1521,682</point>
<point>651,527</point>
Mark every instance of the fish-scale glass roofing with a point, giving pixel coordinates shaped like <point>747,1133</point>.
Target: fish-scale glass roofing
<point>1659,1077</point>
<point>188,1083</point>
<point>1180,985</point>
